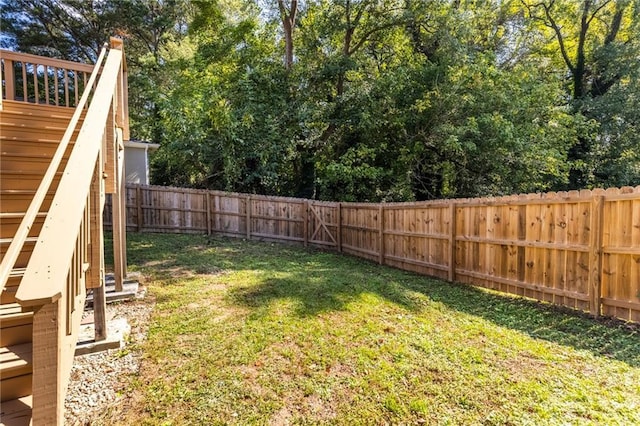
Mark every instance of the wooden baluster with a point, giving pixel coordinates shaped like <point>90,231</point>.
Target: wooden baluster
<point>66,87</point>
<point>46,84</point>
<point>25,95</point>
<point>75,87</point>
<point>57,86</point>
<point>36,95</point>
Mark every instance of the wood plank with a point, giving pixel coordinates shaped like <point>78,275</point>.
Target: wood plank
<point>535,288</point>
<point>519,243</point>
<point>15,360</point>
<point>16,387</point>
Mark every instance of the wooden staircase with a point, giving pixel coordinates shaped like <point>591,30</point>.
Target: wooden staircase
<point>28,141</point>
<point>53,177</point>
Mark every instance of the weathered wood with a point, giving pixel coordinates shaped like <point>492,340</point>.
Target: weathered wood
<point>100,313</point>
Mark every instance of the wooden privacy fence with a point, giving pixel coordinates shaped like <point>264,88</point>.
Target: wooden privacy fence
<point>579,249</point>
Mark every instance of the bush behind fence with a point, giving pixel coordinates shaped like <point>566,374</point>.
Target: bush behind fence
<point>579,249</point>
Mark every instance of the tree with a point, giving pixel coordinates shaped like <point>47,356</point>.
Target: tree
<point>288,13</point>
<point>598,43</point>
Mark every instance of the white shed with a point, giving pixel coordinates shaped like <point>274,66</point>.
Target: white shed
<point>136,161</point>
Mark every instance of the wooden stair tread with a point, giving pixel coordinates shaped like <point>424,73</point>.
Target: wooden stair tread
<point>33,110</point>
<point>11,315</point>
<point>16,412</point>
<point>15,360</point>
<point>18,215</point>
<point>27,240</point>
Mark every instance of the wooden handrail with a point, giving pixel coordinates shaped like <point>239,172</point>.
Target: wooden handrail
<point>41,60</point>
<point>10,257</point>
<point>48,268</point>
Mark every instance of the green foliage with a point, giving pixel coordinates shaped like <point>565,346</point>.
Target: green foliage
<point>383,100</point>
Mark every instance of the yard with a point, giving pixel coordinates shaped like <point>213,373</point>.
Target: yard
<point>261,333</point>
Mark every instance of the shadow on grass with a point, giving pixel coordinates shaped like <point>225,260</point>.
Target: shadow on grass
<point>322,282</point>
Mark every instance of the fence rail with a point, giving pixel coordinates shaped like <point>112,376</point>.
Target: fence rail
<point>579,249</point>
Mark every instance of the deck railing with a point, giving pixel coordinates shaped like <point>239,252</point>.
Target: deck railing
<point>40,80</point>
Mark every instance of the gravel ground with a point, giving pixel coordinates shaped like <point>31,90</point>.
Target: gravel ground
<point>98,380</point>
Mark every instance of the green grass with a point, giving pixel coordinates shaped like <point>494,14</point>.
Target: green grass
<point>258,333</point>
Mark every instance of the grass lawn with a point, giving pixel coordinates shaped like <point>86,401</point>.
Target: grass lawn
<point>260,333</point>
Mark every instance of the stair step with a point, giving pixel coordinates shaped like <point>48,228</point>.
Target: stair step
<point>11,314</point>
<point>16,327</point>
<point>15,371</point>
<point>16,412</point>
<point>19,203</point>
<point>36,110</point>
<point>28,240</point>
<point>15,361</point>
<point>29,149</point>
<point>18,215</point>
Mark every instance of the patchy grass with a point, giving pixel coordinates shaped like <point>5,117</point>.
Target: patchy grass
<point>256,333</point>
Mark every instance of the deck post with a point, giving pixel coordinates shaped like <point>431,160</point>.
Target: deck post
<point>95,274</point>
<point>48,394</point>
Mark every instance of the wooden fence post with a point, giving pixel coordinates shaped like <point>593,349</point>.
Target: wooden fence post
<point>381,232</point>
<point>139,207</point>
<point>305,223</point>
<point>339,228</point>
<point>248,212</point>
<point>452,242</point>
<point>595,256</point>
<point>208,204</point>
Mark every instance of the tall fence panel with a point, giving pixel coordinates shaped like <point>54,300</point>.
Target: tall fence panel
<point>621,254</point>
<point>579,249</point>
